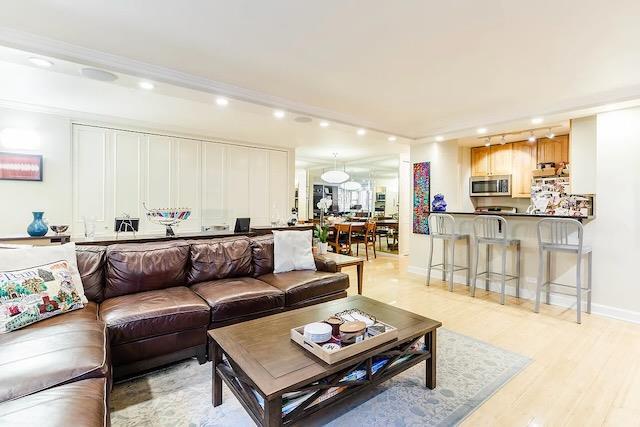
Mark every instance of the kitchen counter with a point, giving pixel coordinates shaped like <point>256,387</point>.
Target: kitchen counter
<point>521,215</point>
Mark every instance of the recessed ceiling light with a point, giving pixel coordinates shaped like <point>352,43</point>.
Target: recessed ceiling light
<point>146,85</point>
<point>481,130</point>
<point>537,120</point>
<point>278,114</point>
<point>439,138</point>
<point>392,139</point>
<point>222,102</point>
<point>97,74</point>
<point>41,62</point>
<point>324,124</point>
<point>361,132</point>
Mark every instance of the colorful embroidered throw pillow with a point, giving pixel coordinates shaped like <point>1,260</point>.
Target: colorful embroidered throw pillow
<point>33,294</point>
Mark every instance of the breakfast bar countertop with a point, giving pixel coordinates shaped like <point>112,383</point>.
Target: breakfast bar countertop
<point>519,215</point>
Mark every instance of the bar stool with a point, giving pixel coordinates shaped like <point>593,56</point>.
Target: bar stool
<point>493,230</point>
<point>562,235</point>
<point>443,226</point>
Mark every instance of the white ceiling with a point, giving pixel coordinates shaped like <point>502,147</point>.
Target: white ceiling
<point>415,67</point>
<point>61,89</point>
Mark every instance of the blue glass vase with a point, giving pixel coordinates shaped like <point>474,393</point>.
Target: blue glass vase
<point>38,227</point>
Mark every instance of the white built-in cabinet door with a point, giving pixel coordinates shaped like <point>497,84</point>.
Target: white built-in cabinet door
<point>187,181</point>
<point>127,167</point>
<point>115,172</point>
<point>259,186</point>
<point>279,186</point>
<point>236,183</point>
<point>157,171</point>
<point>92,197</point>
<point>213,167</point>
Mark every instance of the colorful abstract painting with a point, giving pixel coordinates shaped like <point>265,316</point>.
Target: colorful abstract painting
<point>421,197</point>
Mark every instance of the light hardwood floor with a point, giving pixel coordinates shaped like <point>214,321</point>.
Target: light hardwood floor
<point>580,375</point>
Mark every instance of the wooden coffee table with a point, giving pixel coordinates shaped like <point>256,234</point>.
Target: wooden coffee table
<point>259,362</point>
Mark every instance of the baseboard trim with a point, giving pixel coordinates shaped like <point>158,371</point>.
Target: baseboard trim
<point>557,300</point>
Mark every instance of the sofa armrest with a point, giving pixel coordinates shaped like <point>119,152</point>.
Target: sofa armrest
<point>325,265</point>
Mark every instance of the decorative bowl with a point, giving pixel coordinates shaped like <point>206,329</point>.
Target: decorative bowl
<point>59,229</point>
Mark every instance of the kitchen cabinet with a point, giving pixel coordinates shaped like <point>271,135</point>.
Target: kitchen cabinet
<point>523,163</point>
<point>554,150</point>
<point>493,160</point>
<point>480,161</point>
<point>500,159</point>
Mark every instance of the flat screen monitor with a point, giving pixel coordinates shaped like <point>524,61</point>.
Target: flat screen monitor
<point>242,225</point>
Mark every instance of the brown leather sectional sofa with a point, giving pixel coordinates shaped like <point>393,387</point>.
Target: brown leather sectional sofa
<point>150,304</point>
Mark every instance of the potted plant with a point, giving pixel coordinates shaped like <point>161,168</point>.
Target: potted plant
<point>322,234</point>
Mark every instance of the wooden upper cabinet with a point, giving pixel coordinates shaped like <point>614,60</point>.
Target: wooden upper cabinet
<point>500,159</point>
<point>523,164</point>
<point>480,161</point>
<point>554,150</point>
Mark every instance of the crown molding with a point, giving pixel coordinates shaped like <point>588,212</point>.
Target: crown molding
<point>69,52</point>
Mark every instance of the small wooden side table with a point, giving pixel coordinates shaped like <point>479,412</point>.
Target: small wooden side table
<point>347,261</point>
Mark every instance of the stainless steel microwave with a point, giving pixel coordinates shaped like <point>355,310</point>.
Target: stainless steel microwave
<point>498,185</point>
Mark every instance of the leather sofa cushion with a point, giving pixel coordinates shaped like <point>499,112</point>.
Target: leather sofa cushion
<point>237,297</point>
<point>91,264</point>
<point>220,258</point>
<point>144,351</point>
<point>81,403</point>
<point>148,314</point>
<point>44,355</point>
<point>262,249</point>
<point>139,267</point>
<point>306,284</point>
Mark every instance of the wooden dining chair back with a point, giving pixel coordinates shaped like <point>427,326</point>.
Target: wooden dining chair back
<point>342,239</point>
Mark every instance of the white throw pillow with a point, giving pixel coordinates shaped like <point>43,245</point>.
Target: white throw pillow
<point>24,258</point>
<point>292,251</point>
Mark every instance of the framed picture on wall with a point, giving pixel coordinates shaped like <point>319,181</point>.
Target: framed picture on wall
<point>20,167</point>
<point>421,197</point>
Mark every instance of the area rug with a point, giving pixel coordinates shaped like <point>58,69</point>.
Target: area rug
<point>469,372</point>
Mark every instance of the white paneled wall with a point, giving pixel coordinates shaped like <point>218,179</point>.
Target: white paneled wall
<point>115,172</point>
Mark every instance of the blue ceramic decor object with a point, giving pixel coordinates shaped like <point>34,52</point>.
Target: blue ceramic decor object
<point>38,227</point>
<point>438,204</point>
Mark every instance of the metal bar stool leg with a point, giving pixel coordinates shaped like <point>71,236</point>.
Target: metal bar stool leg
<point>468,242</point>
<point>445,247</point>
<point>503,285</point>
<point>540,279</point>
<point>518,270</point>
<point>487,262</point>
<point>475,270</point>
<point>548,281</point>
<point>589,274</point>
<point>453,252</point>
<point>430,260</point>
<point>579,289</point>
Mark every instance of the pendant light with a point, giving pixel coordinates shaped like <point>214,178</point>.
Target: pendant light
<point>335,176</point>
<point>352,185</point>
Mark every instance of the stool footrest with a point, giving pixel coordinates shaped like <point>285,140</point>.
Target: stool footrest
<point>489,274</point>
<point>565,286</point>
<point>447,269</point>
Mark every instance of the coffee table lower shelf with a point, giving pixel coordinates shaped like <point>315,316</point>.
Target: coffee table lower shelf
<point>270,411</point>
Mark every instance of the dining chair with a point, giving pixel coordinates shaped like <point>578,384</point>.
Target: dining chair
<point>368,238</point>
<point>341,242</point>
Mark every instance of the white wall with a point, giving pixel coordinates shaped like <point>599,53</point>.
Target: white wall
<point>449,176</point>
<point>583,154</point>
<point>53,194</point>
